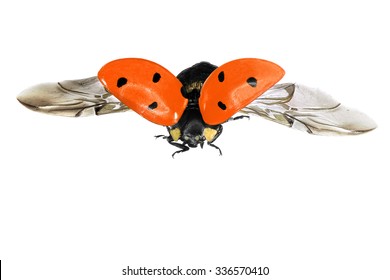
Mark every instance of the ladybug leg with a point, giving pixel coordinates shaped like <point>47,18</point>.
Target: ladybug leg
<point>170,140</point>
<point>238,118</point>
<point>183,147</point>
<point>174,135</point>
<point>163,136</point>
<point>210,143</point>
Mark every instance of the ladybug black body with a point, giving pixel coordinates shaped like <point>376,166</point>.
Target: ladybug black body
<point>191,128</point>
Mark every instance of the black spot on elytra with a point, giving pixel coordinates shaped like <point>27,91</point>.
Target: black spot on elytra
<point>156,77</point>
<point>152,106</point>
<point>221,76</point>
<point>221,105</point>
<point>121,82</point>
<point>252,82</point>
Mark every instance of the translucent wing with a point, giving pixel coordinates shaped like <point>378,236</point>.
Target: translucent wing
<point>72,98</point>
<point>309,110</point>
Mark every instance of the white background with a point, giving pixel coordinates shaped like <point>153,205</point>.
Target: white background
<point>84,198</point>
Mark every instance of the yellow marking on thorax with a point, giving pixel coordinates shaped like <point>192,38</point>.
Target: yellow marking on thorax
<point>195,85</point>
<point>209,134</point>
<point>175,133</point>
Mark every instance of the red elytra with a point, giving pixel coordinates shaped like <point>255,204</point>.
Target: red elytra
<point>234,85</point>
<point>155,93</point>
<point>145,87</point>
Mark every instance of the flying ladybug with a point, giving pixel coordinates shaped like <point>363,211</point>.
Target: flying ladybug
<point>195,104</point>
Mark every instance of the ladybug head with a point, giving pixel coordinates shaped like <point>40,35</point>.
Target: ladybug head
<point>192,132</point>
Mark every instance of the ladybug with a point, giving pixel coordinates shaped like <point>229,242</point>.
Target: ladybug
<point>195,104</point>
